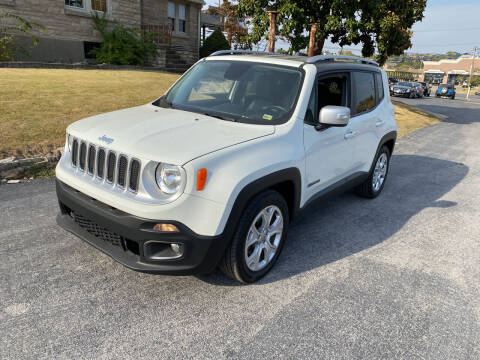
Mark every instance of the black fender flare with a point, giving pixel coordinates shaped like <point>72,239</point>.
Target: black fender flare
<point>255,187</point>
<point>392,135</point>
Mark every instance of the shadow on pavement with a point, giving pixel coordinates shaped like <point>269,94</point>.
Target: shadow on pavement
<point>346,224</point>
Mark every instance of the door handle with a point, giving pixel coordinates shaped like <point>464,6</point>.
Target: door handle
<point>349,134</point>
<point>379,123</point>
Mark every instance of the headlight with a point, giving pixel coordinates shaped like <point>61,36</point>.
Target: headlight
<point>170,179</point>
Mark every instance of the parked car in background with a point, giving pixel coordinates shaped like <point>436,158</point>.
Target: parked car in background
<point>446,90</point>
<point>426,88</point>
<point>405,89</point>
<point>419,88</point>
<point>477,92</point>
<point>392,81</point>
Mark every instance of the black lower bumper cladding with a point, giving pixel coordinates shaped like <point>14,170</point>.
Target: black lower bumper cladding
<point>127,238</point>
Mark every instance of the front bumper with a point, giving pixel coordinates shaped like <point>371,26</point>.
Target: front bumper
<point>128,239</point>
<point>403,94</point>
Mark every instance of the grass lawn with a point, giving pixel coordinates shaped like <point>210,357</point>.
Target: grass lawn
<point>410,119</point>
<point>36,105</point>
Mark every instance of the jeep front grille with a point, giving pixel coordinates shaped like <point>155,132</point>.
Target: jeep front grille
<point>74,152</point>
<point>134,172</point>
<point>120,170</point>
<point>112,158</point>
<point>91,158</point>
<point>83,155</point>
<point>101,163</point>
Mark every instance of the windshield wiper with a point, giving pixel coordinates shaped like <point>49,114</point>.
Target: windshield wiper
<point>221,117</point>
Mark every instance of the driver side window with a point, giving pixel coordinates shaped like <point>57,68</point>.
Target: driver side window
<point>329,90</point>
<point>332,90</point>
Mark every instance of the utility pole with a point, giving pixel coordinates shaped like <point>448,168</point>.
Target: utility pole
<point>471,72</point>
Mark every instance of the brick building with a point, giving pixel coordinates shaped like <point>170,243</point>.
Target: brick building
<point>447,70</point>
<point>70,35</point>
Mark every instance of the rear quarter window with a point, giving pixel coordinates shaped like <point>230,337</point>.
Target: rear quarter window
<point>379,87</point>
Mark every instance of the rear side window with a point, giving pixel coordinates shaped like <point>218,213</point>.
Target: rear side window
<point>379,85</point>
<point>364,90</point>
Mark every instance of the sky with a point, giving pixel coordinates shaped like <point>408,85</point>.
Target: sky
<point>448,25</point>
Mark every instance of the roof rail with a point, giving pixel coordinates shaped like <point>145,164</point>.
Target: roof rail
<point>246,52</point>
<point>318,58</point>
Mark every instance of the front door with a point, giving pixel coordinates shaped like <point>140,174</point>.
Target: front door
<point>329,156</point>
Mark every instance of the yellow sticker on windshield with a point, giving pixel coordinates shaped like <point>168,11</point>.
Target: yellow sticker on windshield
<point>267,117</point>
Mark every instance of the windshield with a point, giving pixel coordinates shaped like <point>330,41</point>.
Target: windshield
<point>237,91</point>
<point>404,83</point>
<point>448,86</point>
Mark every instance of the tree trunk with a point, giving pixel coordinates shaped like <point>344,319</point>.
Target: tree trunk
<point>315,46</point>
<point>271,34</point>
<point>311,44</point>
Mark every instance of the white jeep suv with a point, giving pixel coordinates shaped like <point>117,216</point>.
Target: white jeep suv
<point>211,173</point>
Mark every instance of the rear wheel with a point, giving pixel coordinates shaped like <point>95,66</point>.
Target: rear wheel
<point>373,185</point>
<point>258,239</point>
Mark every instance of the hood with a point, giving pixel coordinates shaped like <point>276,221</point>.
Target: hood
<point>167,135</point>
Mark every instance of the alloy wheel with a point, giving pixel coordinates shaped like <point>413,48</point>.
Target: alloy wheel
<point>380,172</point>
<point>263,238</point>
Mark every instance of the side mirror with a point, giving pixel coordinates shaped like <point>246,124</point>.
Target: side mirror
<point>331,115</point>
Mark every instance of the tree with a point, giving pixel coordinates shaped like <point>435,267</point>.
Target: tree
<point>215,42</point>
<point>9,25</point>
<point>381,24</point>
<point>232,24</point>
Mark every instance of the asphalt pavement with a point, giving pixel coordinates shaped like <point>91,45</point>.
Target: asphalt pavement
<point>395,277</point>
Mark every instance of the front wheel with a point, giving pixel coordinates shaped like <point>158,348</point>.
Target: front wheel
<point>373,185</point>
<point>258,239</point>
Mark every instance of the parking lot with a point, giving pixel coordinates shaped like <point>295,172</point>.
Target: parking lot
<point>395,277</point>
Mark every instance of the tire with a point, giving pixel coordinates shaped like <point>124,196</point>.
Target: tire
<point>234,263</point>
<point>369,188</point>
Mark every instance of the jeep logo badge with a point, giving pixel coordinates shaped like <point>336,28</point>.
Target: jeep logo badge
<point>106,139</point>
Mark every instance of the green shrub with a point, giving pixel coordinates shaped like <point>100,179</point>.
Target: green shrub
<point>9,25</point>
<point>215,42</point>
<point>123,46</point>
<point>7,47</point>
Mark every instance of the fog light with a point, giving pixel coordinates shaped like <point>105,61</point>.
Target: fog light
<point>165,228</point>
<point>177,249</point>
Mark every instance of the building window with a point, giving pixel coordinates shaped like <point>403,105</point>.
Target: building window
<point>182,18</point>
<point>89,5</point>
<point>99,5</point>
<point>74,3</point>
<point>177,16</point>
<point>171,15</point>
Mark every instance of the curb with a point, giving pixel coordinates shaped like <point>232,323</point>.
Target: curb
<point>437,115</point>
<point>12,169</point>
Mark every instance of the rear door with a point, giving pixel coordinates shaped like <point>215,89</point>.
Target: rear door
<point>366,117</point>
